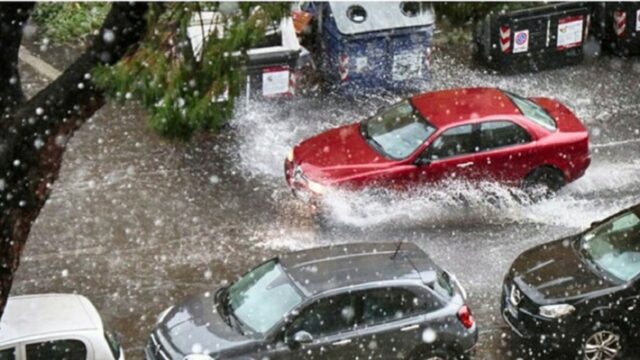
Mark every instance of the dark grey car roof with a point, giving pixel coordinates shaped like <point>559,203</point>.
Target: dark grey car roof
<point>337,266</point>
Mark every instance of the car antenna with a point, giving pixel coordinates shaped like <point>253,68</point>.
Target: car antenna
<point>397,250</point>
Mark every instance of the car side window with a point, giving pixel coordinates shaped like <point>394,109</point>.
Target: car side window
<point>8,354</point>
<point>384,305</point>
<point>57,349</point>
<point>325,317</point>
<point>453,142</point>
<point>497,134</point>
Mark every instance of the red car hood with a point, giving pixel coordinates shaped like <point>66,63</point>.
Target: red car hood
<point>337,154</point>
<point>565,119</point>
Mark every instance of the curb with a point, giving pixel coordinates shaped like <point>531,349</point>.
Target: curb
<point>38,64</point>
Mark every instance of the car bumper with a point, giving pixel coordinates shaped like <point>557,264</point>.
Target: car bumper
<point>531,327</point>
<point>469,341</point>
<point>579,170</point>
<point>155,350</point>
<point>298,185</point>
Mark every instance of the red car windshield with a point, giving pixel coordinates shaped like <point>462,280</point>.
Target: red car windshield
<point>397,131</point>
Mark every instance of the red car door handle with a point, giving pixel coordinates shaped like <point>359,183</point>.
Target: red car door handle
<point>341,342</point>
<point>410,327</point>
<point>464,165</point>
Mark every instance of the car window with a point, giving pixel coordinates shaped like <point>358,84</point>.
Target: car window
<point>263,296</point>
<point>326,316</point>
<point>614,246</point>
<point>533,111</point>
<point>114,344</point>
<point>8,354</point>
<point>384,305</point>
<point>57,349</point>
<point>452,142</point>
<point>497,134</point>
<point>397,131</point>
<point>444,285</point>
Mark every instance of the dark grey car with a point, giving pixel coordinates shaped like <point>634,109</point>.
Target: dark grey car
<point>349,301</point>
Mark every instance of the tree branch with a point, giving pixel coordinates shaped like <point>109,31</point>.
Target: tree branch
<point>13,17</point>
<point>33,138</point>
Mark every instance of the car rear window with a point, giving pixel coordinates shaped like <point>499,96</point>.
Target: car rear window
<point>533,111</point>
<point>444,285</point>
<point>113,342</point>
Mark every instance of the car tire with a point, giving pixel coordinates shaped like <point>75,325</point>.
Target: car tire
<point>602,342</point>
<point>543,182</point>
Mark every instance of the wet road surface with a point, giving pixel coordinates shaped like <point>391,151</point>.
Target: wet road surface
<point>137,222</point>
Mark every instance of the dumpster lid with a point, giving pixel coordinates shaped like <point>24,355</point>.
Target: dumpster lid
<point>361,17</point>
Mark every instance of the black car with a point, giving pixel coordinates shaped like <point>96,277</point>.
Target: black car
<point>580,294</point>
<point>366,300</point>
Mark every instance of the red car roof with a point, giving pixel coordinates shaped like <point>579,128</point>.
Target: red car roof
<point>447,107</point>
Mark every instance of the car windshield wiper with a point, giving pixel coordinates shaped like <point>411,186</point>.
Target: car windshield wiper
<point>374,144</point>
<point>237,323</point>
<point>228,315</point>
<point>223,304</point>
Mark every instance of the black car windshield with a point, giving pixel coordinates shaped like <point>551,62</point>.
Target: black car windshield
<point>397,131</point>
<point>614,245</point>
<point>533,111</point>
<point>262,297</point>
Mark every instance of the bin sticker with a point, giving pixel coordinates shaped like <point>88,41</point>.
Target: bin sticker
<point>521,41</point>
<point>570,32</point>
<point>406,65</point>
<point>361,63</point>
<point>275,81</point>
<point>638,20</point>
<point>619,22</point>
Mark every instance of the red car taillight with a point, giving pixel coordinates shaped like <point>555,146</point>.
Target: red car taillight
<point>465,316</point>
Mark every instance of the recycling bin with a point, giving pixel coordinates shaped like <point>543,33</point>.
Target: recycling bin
<point>371,45</point>
<point>539,38</point>
<point>617,26</point>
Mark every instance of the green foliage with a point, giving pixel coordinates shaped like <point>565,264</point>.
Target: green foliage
<point>180,93</point>
<point>64,22</point>
<point>459,13</point>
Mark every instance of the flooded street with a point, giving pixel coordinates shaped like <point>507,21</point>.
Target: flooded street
<point>137,222</point>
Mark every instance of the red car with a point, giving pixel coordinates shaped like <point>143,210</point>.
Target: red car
<point>465,134</point>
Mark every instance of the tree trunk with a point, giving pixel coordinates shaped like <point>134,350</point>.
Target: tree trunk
<point>33,137</point>
<point>13,17</point>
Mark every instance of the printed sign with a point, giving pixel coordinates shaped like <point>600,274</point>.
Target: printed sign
<point>406,66</point>
<point>570,32</point>
<point>521,41</point>
<point>638,21</point>
<point>275,81</point>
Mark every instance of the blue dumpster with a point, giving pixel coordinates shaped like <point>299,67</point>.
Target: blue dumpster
<point>370,45</point>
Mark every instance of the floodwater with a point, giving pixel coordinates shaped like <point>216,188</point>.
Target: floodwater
<point>136,222</point>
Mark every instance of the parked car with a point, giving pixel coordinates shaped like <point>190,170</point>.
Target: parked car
<point>369,300</point>
<point>466,134</point>
<point>581,293</point>
<point>55,327</point>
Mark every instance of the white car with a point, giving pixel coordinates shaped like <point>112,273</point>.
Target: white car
<point>55,327</point>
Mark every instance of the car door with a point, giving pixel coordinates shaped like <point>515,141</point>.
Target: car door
<point>393,321</point>
<point>330,322</point>
<point>450,156</point>
<point>504,152</point>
